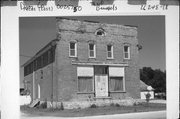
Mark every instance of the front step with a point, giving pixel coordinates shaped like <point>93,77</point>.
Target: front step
<point>34,103</point>
<point>100,98</point>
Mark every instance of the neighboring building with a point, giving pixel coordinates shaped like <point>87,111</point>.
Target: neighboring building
<point>144,90</point>
<point>87,61</point>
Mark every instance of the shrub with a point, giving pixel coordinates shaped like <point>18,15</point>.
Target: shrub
<point>112,104</point>
<point>135,104</point>
<point>43,105</point>
<point>93,106</point>
<point>117,105</point>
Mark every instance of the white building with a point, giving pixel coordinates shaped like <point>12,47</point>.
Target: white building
<point>144,90</point>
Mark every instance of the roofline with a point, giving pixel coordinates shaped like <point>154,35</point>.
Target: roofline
<point>96,22</point>
<point>51,43</point>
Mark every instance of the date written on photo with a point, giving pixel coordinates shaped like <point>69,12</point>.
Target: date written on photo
<point>154,7</point>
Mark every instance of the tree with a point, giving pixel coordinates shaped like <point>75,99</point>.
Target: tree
<point>155,78</point>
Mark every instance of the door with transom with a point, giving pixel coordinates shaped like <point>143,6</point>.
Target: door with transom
<point>101,81</point>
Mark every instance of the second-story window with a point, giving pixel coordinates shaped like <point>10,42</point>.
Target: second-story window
<point>92,51</point>
<point>73,49</point>
<point>126,52</point>
<point>109,51</point>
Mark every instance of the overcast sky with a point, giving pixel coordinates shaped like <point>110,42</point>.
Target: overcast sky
<point>35,33</point>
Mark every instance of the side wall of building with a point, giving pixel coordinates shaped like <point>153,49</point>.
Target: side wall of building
<point>42,83</point>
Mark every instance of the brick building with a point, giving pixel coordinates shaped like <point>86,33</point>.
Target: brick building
<point>87,61</point>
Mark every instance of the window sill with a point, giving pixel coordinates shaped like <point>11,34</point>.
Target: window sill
<point>110,58</point>
<point>85,92</point>
<point>127,58</point>
<point>102,97</point>
<point>73,56</point>
<point>92,57</point>
<point>117,91</point>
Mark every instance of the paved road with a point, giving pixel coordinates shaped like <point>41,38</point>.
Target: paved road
<point>142,115</point>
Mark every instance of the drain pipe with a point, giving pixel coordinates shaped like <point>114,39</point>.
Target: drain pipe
<point>52,75</point>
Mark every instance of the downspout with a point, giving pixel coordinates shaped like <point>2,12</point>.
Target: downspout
<point>52,77</point>
<point>33,87</point>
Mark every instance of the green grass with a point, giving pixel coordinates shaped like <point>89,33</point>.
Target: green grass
<point>108,110</point>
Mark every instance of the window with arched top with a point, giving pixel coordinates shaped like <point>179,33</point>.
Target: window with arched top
<point>92,50</point>
<point>126,51</point>
<point>73,49</point>
<point>110,54</point>
<point>100,32</point>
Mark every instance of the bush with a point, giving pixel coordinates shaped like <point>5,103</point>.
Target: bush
<point>112,104</point>
<point>93,106</point>
<point>117,105</point>
<point>43,105</point>
<point>135,104</point>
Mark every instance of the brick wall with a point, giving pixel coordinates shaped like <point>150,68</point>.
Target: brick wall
<point>44,80</point>
<point>82,33</point>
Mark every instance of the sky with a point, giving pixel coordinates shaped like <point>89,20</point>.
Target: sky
<point>36,32</point>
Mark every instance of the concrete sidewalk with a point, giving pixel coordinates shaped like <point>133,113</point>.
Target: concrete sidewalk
<point>141,115</point>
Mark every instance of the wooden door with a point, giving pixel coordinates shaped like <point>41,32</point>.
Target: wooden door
<point>101,81</point>
<point>101,85</point>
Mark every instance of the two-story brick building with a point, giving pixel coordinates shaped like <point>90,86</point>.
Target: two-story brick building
<point>87,61</point>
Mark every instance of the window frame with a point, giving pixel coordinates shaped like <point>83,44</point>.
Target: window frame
<point>94,50</point>
<point>123,79</point>
<point>92,81</point>
<point>100,30</point>
<point>129,55</point>
<point>86,76</point>
<point>112,51</point>
<point>75,49</point>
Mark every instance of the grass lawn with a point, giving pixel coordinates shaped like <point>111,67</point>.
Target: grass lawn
<point>108,110</point>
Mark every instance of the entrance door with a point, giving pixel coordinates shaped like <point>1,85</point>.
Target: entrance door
<point>101,81</point>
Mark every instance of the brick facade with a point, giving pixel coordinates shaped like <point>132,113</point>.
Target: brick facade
<point>61,83</point>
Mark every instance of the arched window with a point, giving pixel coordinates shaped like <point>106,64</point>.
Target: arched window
<point>100,32</point>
